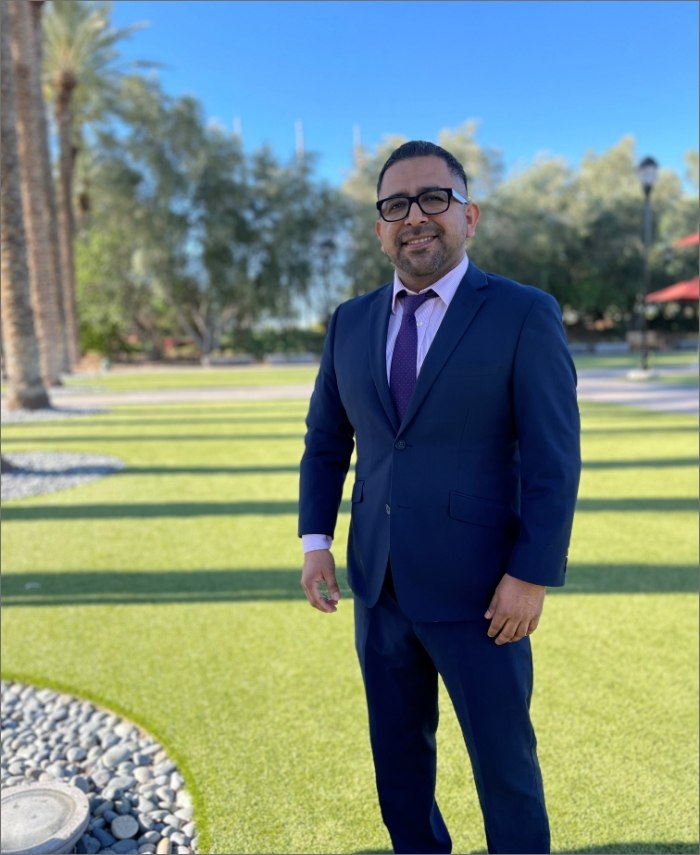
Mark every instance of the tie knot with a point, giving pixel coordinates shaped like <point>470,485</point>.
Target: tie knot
<point>412,302</point>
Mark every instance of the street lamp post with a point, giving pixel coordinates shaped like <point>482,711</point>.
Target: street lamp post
<point>647,172</point>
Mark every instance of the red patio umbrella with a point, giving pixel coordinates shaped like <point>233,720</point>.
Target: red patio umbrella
<point>688,240</point>
<point>689,289</point>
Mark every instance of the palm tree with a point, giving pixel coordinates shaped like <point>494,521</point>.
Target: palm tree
<point>25,387</point>
<point>49,190</point>
<point>44,285</point>
<point>81,72</point>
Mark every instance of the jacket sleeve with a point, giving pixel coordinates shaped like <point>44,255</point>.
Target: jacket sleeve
<point>548,430</point>
<point>329,444</point>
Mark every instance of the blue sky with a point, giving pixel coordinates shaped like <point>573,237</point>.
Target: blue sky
<point>557,77</point>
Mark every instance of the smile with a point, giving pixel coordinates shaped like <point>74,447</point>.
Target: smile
<point>419,241</point>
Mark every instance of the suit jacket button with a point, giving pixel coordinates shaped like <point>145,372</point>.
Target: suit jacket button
<point>400,444</point>
<point>387,508</point>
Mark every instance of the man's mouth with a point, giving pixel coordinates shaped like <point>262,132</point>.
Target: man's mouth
<point>424,240</point>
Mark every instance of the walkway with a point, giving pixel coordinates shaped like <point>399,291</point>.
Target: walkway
<point>613,387</point>
<point>609,387</point>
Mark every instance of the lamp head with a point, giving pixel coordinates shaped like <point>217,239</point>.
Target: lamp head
<point>647,171</point>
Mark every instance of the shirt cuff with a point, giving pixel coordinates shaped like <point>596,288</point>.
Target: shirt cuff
<point>309,542</point>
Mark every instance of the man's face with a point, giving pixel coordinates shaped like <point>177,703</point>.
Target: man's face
<point>424,247</point>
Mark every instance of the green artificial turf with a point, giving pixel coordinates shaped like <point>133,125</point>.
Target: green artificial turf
<point>170,593</point>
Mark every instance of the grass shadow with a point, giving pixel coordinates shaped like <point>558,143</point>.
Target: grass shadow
<point>147,510</point>
<point>120,587</point>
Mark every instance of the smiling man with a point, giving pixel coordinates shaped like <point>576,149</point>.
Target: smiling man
<point>458,389</point>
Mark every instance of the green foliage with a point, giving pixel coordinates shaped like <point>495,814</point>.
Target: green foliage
<point>222,239</point>
<point>188,234</point>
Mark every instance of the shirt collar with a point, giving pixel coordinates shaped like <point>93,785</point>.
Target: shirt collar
<point>445,288</point>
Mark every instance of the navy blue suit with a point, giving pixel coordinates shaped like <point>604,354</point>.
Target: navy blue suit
<point>478,480</point>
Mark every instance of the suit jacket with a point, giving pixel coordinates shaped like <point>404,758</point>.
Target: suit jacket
<point>481,476</point>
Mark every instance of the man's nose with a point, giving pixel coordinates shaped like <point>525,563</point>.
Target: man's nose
<point>415,214</point>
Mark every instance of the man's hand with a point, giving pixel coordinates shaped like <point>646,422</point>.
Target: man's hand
<point>319,573</point>
<point>515,609</point>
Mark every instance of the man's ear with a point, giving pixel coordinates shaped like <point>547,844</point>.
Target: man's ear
<point>378,232</point>
<point>472,213</point>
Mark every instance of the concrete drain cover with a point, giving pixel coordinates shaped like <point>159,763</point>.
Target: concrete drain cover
<point>45,817</point>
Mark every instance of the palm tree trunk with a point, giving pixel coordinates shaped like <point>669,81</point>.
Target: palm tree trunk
<point>49,191</point>
<point>66,224</point>
<point>28,105</point>
<point>25,387</point>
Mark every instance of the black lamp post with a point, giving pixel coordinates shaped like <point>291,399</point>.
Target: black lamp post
<point>647,172</point>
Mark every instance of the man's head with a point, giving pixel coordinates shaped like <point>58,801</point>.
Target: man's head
<point>422,245</point>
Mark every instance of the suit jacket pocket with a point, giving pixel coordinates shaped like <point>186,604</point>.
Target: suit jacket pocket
<point>478,511</point>
<point>358,489</point>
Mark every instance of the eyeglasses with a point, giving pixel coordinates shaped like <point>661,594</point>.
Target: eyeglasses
<point>435,201</point>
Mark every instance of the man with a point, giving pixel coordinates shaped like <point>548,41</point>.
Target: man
<point>462,507</point>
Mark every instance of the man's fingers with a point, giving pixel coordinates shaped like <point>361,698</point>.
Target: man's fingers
<point>319,582</point>
<point>316,595</point>
<point>507,631</point>
<point>496,625</point>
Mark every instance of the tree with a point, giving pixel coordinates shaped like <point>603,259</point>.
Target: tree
<point>26,389</point>
<point>35,172</point>
<point>223,239</point>
<point>49,190</point>
<point>526,230</point>
<point>82,74</point>
<point>366,266</point>
<point>484,166</point>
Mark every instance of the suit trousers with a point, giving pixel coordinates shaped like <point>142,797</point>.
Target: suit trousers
<point>490,687</point>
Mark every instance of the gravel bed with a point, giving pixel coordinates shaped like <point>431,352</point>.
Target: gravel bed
<point>138,801</point>
<point>49,414</point>
<point>38,472</point>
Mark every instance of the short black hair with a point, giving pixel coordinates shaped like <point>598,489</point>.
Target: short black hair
<point>421,148</point>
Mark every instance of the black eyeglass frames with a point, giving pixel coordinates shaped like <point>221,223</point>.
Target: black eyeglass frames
<point>435,201</point>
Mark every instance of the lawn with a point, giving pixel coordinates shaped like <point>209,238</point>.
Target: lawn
<point>169,593</point>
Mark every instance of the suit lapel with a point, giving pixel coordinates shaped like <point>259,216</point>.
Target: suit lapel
<point>462,310</point>
<point>378,324</point>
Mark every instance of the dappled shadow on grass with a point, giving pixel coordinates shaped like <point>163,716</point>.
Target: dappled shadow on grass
<point>120,587</point>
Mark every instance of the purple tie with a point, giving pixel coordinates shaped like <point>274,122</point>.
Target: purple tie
<point>402,377</point>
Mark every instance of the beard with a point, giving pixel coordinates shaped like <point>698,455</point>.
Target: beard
<point>422,264</point>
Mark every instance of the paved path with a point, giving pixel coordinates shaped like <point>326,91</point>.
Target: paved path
<point>610,387</point>
<point>614,388</point>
